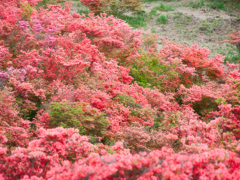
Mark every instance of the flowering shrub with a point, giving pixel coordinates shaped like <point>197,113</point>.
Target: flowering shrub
<point>234,39</point>
<point>88,98</point>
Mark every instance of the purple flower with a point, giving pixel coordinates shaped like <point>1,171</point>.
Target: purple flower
<point>4,75</point>
<point>37,25</point>
<point>37,28</point>
<point>35,21</point>
<point>19,73</point>
<point>24,25</point>
<point>50,38</point>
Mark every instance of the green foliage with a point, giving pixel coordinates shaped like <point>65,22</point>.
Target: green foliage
<point>163,7</point>
<point>205,106</point>
<point>75,115</point>
<point>219,100</point>
<point>44,3</point>
<point>27,11</point>
<point>232,58</point>
<point>27,109</point>
<point>79,4</point>
<point>153,11</point>
<point>218,5</point>
<point>147,71</point>
<point>63,5</point>
<point>137,110</point>
<point>197,5</point>
<point>158,120</point>
<point>128,101</point>
<point>143,77</point>
<point>162,19</point>
<point>136,21</point>
<point>32,114</point>
<point>86,12</point>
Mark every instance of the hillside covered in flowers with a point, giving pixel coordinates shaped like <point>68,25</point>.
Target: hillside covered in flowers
<point>91,98</point>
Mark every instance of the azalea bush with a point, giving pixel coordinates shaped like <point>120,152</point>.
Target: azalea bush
<point>90,98</point>
<point>234,39</point>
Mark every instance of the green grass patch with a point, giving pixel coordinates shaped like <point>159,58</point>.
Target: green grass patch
<point>79,4</point>
<point>162,19</point>
<point>181,19</point>
<point>136,21</point>
<point>86,12</point>
<point>232,58</point>
<point>196,5</point>
<point>218,5</point>
<point>163,7</point>
<point>153,12</point>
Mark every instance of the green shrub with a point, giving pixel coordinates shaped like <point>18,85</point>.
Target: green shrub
<point>27,11</point>
<point>162,19</point>
<point>134,21</point>
<point>205,106</point>
<point>128,101</point>
<point>147,69</point>
<point>75,115</point>
<point>153,11</point>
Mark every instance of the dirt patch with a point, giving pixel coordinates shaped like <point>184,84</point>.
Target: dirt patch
<point>203,13</point>
<point>77,6</point>
<point>203,26</point>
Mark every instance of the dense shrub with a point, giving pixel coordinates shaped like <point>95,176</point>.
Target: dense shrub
<point>79,116</point>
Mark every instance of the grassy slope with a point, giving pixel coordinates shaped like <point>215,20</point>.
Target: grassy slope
<point>201,22</point>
